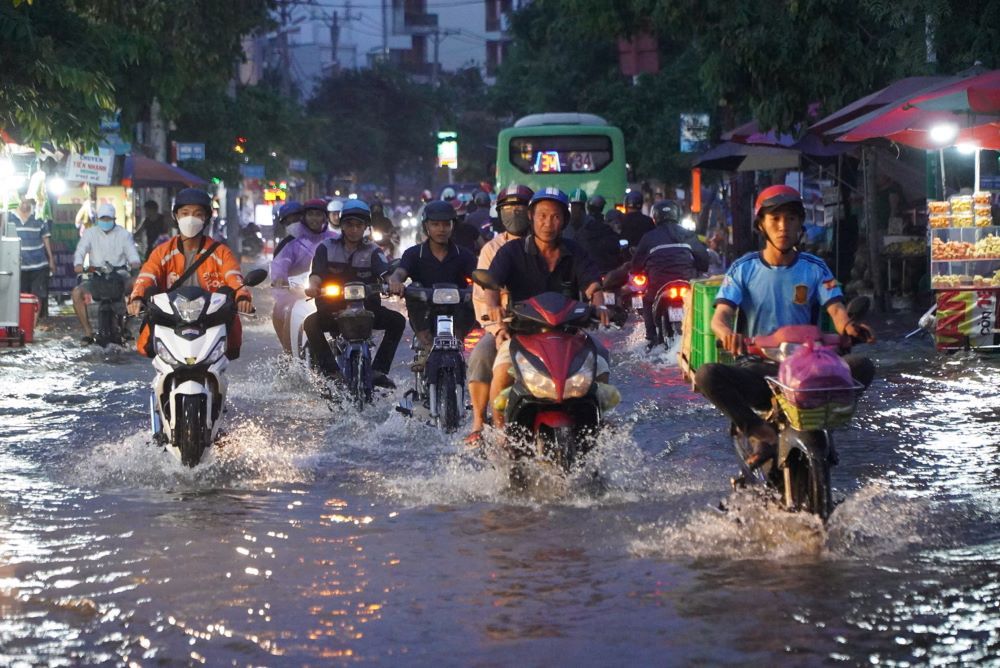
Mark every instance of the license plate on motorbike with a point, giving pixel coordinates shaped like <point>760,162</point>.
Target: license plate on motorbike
<point>637,303</point>
<point>676,314</point>
<point>609,299</point>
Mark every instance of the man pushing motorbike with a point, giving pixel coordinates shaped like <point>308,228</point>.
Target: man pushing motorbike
<point>774,287</point>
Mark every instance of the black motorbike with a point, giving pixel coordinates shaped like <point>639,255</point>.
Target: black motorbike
<point>352,347</point>
<point>251,240</point>
<point>107,287</point>
<point>439,383</point>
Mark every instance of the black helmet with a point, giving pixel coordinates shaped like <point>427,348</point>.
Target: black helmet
<point>666,211</point>
<point>193,196</point>
<point>481,199</point>
<point>438,210</point>
<point>633,199</point>
<point>596,204</point>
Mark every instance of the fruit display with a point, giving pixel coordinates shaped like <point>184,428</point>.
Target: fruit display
<point>939,221</point>
<point>984,215</point>
<point>982,198</point>
<point>912,248</point>
<point>957,281</point>
<point>951,250</point>
<point>961,204</point>
<point>987,247</point>
<point>936,208</point>
<point>965,219</point>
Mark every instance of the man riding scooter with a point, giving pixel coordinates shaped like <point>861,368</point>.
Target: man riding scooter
<point>774,287</point>
<point>667,253</point>
<point>191,258</point>
<point>352,258</point>
<point>437,260</point>
<point>542,262</point>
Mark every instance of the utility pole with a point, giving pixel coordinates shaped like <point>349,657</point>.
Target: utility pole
<point>385,29</point>
<point>439,35</point>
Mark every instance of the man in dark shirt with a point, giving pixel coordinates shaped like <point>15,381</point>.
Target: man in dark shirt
<point>543,262</point>
<point>635,223</point>
<point>437,260</point>
<point>598,239</point>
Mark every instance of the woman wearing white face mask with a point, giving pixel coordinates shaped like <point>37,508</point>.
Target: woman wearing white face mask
<point>169,261</point>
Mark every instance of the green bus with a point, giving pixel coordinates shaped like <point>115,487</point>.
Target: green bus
<point>568,151</point>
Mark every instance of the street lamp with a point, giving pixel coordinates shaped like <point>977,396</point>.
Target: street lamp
<point>57,186</point>
<point>943,133</point>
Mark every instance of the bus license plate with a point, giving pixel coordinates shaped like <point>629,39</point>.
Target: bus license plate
<point>676,314</point>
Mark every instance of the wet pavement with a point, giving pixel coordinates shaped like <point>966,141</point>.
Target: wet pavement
<point>317,536</point>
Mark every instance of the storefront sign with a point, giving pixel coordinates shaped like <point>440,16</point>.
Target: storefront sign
<point>694,132</point>
<point>966,318</point>
<point>298,165</point>
<point>91,167</point>
<point>252,171</point>
<point>447,146</point>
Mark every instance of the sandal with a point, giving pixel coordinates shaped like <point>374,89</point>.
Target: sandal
<point>474,439</point>
<point>87,340</point>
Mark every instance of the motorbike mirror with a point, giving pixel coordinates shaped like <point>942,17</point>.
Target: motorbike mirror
<point>859,307</point>
<point>615,279</point>
<point>255,277</point>
<point>483,279</point>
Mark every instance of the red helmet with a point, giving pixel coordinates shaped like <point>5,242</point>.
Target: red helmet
<point>515,193</point>
<point>317,204</point>
<point>774,196</point>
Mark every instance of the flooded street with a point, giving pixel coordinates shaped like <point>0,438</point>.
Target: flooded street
<point>315,536</point>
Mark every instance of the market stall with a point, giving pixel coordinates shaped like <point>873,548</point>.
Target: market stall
<point>965,272</point>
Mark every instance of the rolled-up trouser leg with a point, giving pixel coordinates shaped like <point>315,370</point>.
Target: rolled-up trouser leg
<point>480,365</point>
<point>737,390</point>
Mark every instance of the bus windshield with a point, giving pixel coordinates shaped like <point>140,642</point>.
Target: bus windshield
<point>561,154</point>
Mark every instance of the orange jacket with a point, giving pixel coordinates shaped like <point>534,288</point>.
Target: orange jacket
<point>166,264</point>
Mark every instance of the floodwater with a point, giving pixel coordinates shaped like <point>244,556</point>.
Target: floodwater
<point>315,536</point>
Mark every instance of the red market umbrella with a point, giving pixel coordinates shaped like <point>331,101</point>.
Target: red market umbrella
<point>894,92</point>
<point>912,126</point>
<point>975,95</point>
<point>143,172</point>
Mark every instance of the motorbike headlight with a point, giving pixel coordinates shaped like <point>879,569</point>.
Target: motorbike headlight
<point>189,310</point>
<point>377,236</point>
<point>354,292</point>
<point>539,384</point>
<point>164,354</point>
<point>445,296</point>
<point>579,383</point>
<point>217,351</point>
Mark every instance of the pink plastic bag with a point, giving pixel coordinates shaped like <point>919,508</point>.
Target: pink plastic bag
<point>816,368</point>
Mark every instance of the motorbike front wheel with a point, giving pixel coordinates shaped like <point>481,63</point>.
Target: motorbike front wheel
<point>191,434</point>
<point>558,445</point>
<point>361,380</point>
<point>807,485</point>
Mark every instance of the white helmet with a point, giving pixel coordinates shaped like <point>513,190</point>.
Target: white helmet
<point>335,206</point>
<point>448,194</point>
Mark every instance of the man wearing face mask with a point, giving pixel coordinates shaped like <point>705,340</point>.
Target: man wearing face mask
<point>168,267</point>
<point>512,210</point>
<point>104,244</point>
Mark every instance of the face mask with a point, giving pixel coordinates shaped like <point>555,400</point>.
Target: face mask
<point>515,221</point>
<point>190,226</point>
<point>106,225</point>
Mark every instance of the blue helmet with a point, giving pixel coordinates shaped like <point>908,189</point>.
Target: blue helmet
<point>551,194</point>
<point>356,208</point>
<point>287,209</point>
<point>193,196</point>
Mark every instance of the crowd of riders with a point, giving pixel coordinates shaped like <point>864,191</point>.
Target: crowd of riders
<point>530,243</point>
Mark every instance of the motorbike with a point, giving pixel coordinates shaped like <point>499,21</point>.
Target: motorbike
<point>189,391</point>
<point>556,405</point>
<point>439,383</point>
<point>804,412</point>
<point>251,240</point>
<point>107,287</point>
<point>387,241</point>
<point>352,346</point>
<point>668,310</point>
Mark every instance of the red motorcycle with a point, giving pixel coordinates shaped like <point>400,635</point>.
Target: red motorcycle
<point>555,406</point>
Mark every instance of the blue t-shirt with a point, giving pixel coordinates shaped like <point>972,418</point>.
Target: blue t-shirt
<point>31,232</point>
<point>772,297</point>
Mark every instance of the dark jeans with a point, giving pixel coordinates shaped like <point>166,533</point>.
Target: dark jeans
<point>36,282</point>
<point>739,388</point>
<point>647,314</point>
<point>321,322</point>
<point>419,311</point>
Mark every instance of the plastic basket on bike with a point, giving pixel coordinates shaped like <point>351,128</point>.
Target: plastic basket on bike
<point>825,407</point>
<point>356,324</point>
<point>107,287</point>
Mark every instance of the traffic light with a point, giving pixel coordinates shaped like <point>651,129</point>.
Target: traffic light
<point>241,144</point>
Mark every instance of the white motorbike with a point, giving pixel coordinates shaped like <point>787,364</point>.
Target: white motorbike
<point>188,331</point>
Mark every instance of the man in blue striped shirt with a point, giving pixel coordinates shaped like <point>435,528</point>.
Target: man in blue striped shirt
<point>37,260</point>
